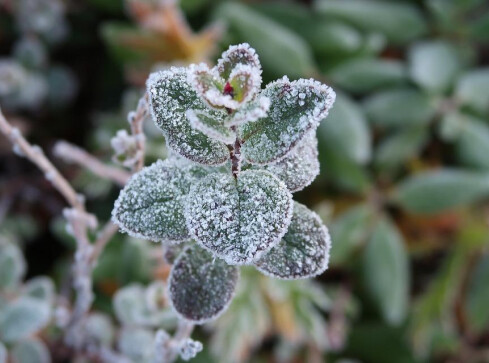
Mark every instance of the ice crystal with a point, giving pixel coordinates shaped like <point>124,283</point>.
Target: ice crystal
<point>250,112</point>
<point>190,348</point>
<point>237,54</point>
<point>211,126</point>
<point>151,204</point>
<point>300,167</point>
<point>303,251</point>
<point>201,286</point>
<point>170,98</point>
<point>241,219</point>
<point>295,108</point>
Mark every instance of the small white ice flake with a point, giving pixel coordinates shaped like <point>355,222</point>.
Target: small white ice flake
<point>169,114</point>
<point>241,219</point>
<point>295,109</point>
<point>303,251</point>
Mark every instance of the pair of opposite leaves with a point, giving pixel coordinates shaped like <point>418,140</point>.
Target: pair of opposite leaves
<point>248,220</point>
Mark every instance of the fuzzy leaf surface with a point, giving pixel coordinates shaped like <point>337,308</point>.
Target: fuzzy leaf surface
<point>23,317</point>
<point>300,167</point>
<point>295,108</point>
<point>170,97</point>
<point>151,204</point>
<point>201,286</point>
<point>241,219</point>
<point>303,251</point>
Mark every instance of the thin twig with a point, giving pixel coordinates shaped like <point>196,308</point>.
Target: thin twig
<point>35,154</point>
<point>136,119</point>
<point>103,238</point>
<point>73,154</point>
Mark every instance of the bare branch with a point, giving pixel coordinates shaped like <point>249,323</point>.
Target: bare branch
<point>73,154</point>
<point>35,154</point>
<point>136,119</point>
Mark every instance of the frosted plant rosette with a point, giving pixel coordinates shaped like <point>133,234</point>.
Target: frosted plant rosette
<point>225,193</point>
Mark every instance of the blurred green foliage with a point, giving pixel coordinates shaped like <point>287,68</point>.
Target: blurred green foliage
<point>404,181</point>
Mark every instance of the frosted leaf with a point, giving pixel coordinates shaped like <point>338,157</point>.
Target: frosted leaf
<point>22,318</point>
<point>241,219</point>
<point>245,82</point>
<point>136,343</point>
<point>211,126</point>
<point>151,204</point>
<point>12,266</point>
<point>129,305</point>
<point>170,97</point>
<point>300,167</point>
<point>32,350</point>
<point>250,112</point>
<point>201,286</point>
<point>41,288</point>
<point>207,83</point>
<point>303,251</point>
<point>295,108</point>
<point>99,329</point>
<point>237,54</point>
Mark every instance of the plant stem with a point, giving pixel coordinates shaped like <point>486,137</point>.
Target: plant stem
<point>235,155</point>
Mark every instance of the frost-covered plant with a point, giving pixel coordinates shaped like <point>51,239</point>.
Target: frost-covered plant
<point>25,309</point>
<point>225,193</point>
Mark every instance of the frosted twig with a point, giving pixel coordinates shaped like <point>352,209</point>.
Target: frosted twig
<point>168,349</point>
<point>136,119</point>
<point>35,154</point>
<point>103,238</point>
<point>73,154</point>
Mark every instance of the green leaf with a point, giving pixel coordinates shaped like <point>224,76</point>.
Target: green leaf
<point>346,131</point>
<point>12,265</point>
<point>349,231</point>
<point>170,97</point>
<point>471,90</point>
<point>439,190</point>
<point>399,22</point>
<point>404,144</point>
<point>478,296</point>
<point>331,38</point>
<point>31,351</point>
<point>367,74</point>
<point>22,318</point>
<point>239,219</point>
<point>99,328</point>
<point>295,108</point>
<point>151,204</point>
<point>399,107</point>
<point>136,343</point>
<point>200,286</point>
<point>249,112</point>
<point>434,65</point>
<point>129,305</point>
<point>281,50</point>
<point>211,126</point>
<point>304,250</point>
<point>300,167</point>
<point>41,288</point>
<point>235,56</point>
<point>472,140</point>
<point>386,272</point>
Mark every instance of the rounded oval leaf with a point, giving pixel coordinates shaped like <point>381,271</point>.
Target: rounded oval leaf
<point>235,55</point>
<point>201,286</point>
<point>386,272</point>
<point>31,351</point>
<point>151,204</point>
<point>22,318</point>
<point>436,191</point>
<point>295,108</point>
<point>300,167</point>
<point>170,97</point>
<point>303,251</point>
<point>239,219</point>
<point>12,265</point>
